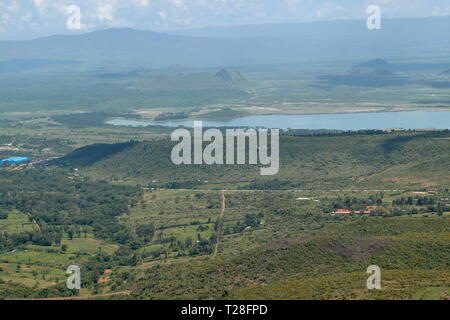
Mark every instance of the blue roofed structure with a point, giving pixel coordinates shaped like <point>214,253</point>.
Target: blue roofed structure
<point>14,160</point>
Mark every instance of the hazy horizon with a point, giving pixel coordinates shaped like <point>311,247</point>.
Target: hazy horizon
<point>29,19</point>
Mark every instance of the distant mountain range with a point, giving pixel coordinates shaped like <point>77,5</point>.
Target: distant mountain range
<point>240,46</point>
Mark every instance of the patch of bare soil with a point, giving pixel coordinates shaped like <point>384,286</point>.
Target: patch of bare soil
<point>359,248</point>
<point>284,243</point>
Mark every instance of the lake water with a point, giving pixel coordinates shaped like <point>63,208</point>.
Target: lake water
<point>350,121</point>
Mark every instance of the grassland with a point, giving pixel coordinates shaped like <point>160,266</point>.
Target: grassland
<point>40,266</point>
<point>292,89</point>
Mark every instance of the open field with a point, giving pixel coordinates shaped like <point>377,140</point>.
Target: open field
<point>344,87</point>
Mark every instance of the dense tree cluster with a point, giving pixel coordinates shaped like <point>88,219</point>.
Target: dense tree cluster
<point>58,203</point>
<point>354,203</point>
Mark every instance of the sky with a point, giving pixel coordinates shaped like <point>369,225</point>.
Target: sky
<point>27,19</point>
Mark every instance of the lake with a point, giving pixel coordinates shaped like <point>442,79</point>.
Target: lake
<point>349,121</point>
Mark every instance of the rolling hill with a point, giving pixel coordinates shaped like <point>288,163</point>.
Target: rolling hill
<point>224,79</point>
<point>378,66</point>
<point>232,77</point>
<point>376,63</point>
<point>410,160</point>
<point>373,73</point>
<point>318,268</point>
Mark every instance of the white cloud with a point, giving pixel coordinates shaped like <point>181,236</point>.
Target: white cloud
<point>294,3</point>
<point>24,17</point>
<point>143,3</point>
<point>4,17</point>
<point>105,12</point>
<point>13,6</point>
<point>40,6</point>
<point>178,3</point>
<point>162,15</point>
<point>440,11</point>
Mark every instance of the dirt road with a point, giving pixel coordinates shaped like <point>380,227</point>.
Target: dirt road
<point>222,213</point>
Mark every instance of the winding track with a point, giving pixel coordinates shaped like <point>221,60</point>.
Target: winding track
<point>219,230</point>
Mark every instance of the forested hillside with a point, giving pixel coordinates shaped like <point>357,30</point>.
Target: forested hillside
<point>306,268</point>
<point>406,159</point>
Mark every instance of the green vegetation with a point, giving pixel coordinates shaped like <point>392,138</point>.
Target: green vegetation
<point>398,160</point>
<point>224,114</point>
<point>274,244</point>
<point>110,200</point>
<point>324,266</point>
<point>89,119</point>
<point>83,91</point>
